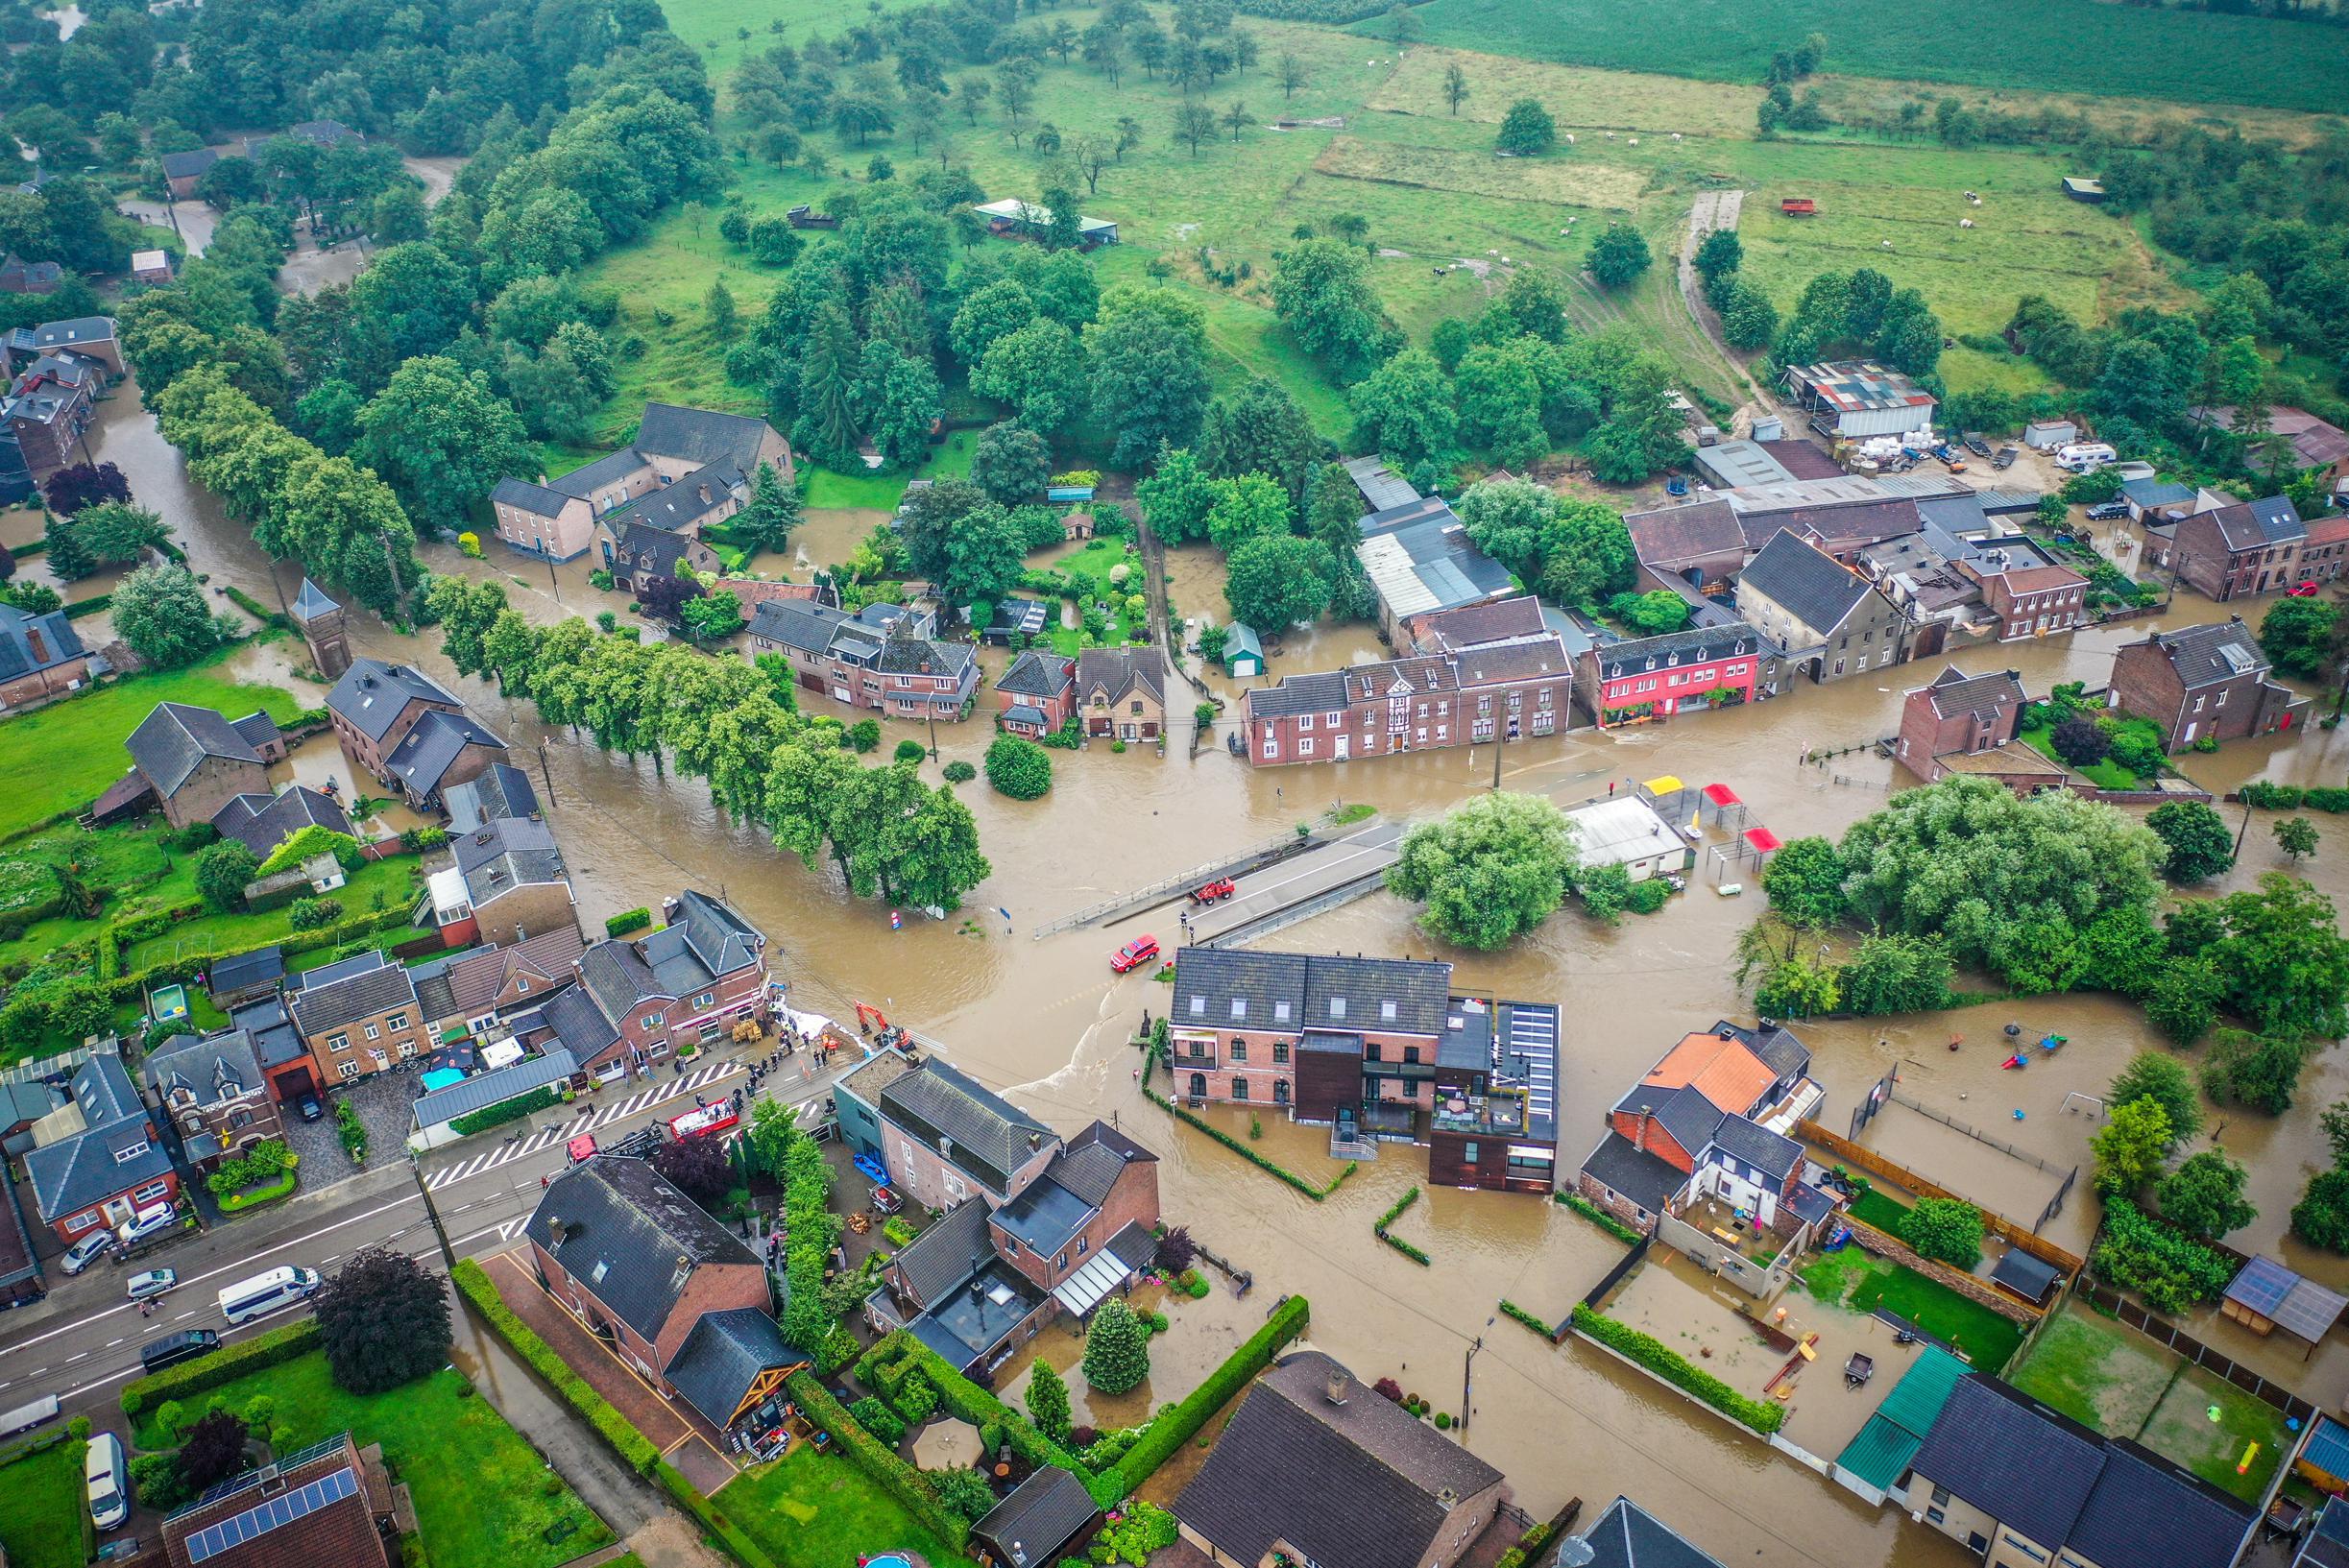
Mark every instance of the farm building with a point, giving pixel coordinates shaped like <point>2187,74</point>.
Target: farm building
<point>1016,219</point>
<point>1242,651</point>
<point>2090,191</point>
<point>1420,560</point>
<point>1626,832</point>
<point>1859,398</point>
<point>1733,465</point>
<point>2047,435</point>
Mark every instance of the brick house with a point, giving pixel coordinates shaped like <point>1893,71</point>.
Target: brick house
<point>946,1137</point>
<point>639,553</point>
<point>1710,1118</point>
<point>714,457</point>
<point>262,822</point>
<point>1378,1044</point>
<point>2315,443</point>
<point>515,883</point>
<point>1687,671</point>
<point>886,657</point>
<point>1965,724</point>
<point>18,276</point>
<point>183,170</point>
<point>41,657</point>
<point>638,1262</point>
<point>476,991</point>
<point>328,1505</point>
<point>89,337</point>
<point>441,749</point>
<point>1121,692</point>
<point>358,1017</point>
<point>195,763</point>
<point>1420,562</point>
<point>2325,552</point>
<point>1700,544</point>
<point>1831,621</point>
<point>2248,547</point>
<point>687,982</point>
<point>1316,1467</point>
<point>213,1089</point>
<point>48,410</point>
<point>99,1160</point>
<point>2203,682</point>
<point>949,1289</point>
<point>374,706</point>
<point>1094,1189</point>
<point>1037,693</point>
<point>2028,593</point>
<point>1462,695</point>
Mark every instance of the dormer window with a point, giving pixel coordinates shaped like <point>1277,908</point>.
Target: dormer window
<point>1239,1007</point>
<point>1337,1007</point>
<point>1386,1012</point>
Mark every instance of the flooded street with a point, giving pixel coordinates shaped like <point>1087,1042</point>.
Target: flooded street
<point>1045,1021</point>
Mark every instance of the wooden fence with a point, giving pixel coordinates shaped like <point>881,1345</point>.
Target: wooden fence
<point>1875,1165</point>
<point>2163,1333</point>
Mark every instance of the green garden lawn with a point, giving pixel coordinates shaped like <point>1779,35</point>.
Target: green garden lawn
<point>484,1498</point>
<point>2107,774</point>
<point>395,879</point>
<point>44,1508</point>
<point>1863,1283</point>
<point>1884,1213</point>
<point>815,1507</point>
<point>62,757</point>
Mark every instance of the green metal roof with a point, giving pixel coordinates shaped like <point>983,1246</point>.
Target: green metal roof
<point>1915,1402</point>
<point>1880,1453</point>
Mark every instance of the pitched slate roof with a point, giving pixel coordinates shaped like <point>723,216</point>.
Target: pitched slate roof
<point>1685,1113</point>
<point>650,548</point>
<point>1322,692</point>
<point>212,1067</point>
<point>262,822</point>
<point>703,940</point>
<point>194,161</point>
<point>702,436</point>
<point>112,1153</point>
<point>1308,991</point>
<point>2204,656</point>
<point>613,467</point>
<point>1755,1145</point>
<point>61,643</point>
<point>1671,535</point>
<point>1628,1537</point>
<point>1037,672</point>
<point>1814,588</point>
<point>1038,1519</point>
<point>955,1247</point>
<point>2014,1458</point>
<point>372,694</point>
<point>615,975</point>
<point>579,1023</point>
<point>260,966</point>
<point>796,623</point>
<point>722,1357</point>
<point>1631,1172</point>
<point>630,1238</point>
<point>500,790</point>
<point>1117,671</point>
<point>323,1007</point>
<point>524,497</point>
<point>1088,1174</point>
<point>2144,1512</point>
<point>2254,525</point>
<point>2144,494</point>
<point>990,1137</point>
<point>1953,692</point>
<point>431,748</point>
<point>509,852</point>
<point>71,333</point>
<point>1361,1483</point>
<point>173,740</point>
<point>1473,625</point>
<point>1689,646</point>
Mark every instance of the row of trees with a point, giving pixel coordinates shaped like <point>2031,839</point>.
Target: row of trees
<point>734,726</point>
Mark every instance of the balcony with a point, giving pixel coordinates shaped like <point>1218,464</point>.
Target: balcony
<point>1410,1072</point>
<point>1500,1115</point>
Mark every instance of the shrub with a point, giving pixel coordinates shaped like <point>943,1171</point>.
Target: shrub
<point>1645,1350</point>
<point>1237,1146</point>
<point>627,920</point>
<point>1117,1348</point>
<point>910,751</point>
<point>468,543</point>
<point>2172,1271</point>
<point>1599,1217</point>
<point>863,736</point>
<point>2081,742</point>
<point>965,1491</point>
<point>1175,1251</point>
<point>1018,768</point>
<point>1945,1229</point>
<point>222,1366</point>
<point>958,771</point>
<point>308,914</point>
<point>2321,1217</point>
<point>1645,898</point>
<point>511,1110</point>
<point>159,1483</point>
<point>879,1419</point>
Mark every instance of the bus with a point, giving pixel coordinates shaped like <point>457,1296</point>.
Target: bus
<point>266,1293</point>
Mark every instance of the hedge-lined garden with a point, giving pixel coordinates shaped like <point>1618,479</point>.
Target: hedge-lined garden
<point>1647,1351</point>
<point>616,1429</point>
<point>1317,1193</point>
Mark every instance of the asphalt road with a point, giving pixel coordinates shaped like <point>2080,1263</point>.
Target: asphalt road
<point>81,1341</point>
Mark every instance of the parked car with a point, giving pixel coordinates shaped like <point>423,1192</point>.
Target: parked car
<point>1133,954</point>
<point>152,1282</point>
<point>309,1108</point>
<point>107,1474</point>
<point>152,1221</point>
<point>2107,511</point>
<point>885,1200</point>
<point>1223,887</point>
<point>87,1251</point>
<point>2301,590</point>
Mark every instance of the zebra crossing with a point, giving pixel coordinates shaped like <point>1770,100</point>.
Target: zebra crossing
<point>563,1131</point>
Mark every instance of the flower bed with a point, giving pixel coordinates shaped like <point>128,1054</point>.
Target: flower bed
<point>254,1198</point>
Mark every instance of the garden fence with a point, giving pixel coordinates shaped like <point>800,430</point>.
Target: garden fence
<point>2169,1336</point>
<point>1979,1137</point>
<point>1615,1276</point>
<point>1875,1165</point>
<point>1874,1100</point>
<point>2055,1204</point>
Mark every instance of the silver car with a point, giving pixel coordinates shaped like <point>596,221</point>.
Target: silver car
<point>154,1282</point>
<point>87,1251</point>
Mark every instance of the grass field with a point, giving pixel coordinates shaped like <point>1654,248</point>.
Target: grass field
<point>44,1510</point>
<point>483,1496</point>
<point>393,879</point>
<point>821,1508</point>
<point>2122,1385</point>
<point>60,757</point>
<point>1863,1283</point>
<point>2057,45</point>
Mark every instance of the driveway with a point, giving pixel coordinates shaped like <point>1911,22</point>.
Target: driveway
<point>386,1106</point>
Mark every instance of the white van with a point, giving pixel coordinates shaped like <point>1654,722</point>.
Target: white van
<point>109,1479</point>
<point>2083,455</point>
<point>265,1294</point>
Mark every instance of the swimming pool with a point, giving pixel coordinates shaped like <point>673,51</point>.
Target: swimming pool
<point>889,1561</point>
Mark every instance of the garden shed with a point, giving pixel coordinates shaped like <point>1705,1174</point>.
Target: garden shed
<point>2265,1296</point>
<point>1242,651</point>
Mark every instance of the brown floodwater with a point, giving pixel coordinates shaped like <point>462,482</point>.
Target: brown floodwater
<point>1045,1021</point>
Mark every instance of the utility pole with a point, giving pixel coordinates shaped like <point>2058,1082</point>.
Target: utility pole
<point>544,776</point>
<point>932,715</point>
<point>1468,1368</point>
<point>551,583</point>
<point>432,1212</point>
<point>1500,734</point>
<point>2242,831</point>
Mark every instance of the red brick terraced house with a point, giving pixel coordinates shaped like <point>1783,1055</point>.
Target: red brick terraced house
<point>2030,595</point>
<point>1687,671</point>
<point>98,1161</point>
<point>886,657</point>
<point>215,1090</point>
<point>1082,1228</point>
<point>2325,553</point>
<point>1521,686</point>
<point>374,706</point>
<point>2203,683</point>
<point>1379,1045</point>
<point>1965,724</point>
<point>945,1137</point>
<point>358,1017</point>
<point>638,1262</point>
<point>2248,547</point>
<point>1037,693</point>
<point>1709,1119</point>
<point>688,982</point>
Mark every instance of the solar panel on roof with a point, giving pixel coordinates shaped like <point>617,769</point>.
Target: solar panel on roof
<point>282,1509</point>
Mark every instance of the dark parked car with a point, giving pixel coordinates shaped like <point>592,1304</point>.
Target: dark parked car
<point>2107,511</point>
<point>309,1108</point>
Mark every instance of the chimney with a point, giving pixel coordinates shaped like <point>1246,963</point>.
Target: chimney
<point>1035,1140</point>
<point>1640,1142</point>
<point>945,1147</point>
<point>1335,1391</point>
<point>705,494</point>
<point>557,1230</point>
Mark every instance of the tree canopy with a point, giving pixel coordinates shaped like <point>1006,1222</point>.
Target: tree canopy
<point>1488,871</point>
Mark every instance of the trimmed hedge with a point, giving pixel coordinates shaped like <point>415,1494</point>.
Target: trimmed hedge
<point>2275,797</point>
<point>637,1451</point>
<point>1647,1351</point>
<point>221,1367</point>
<point>884,1367</point>
<point>1599,1217</point>
<point>1379,1229</point>
<point>738,1546</point>
<point>506,1110</point>
<point>1317,1193</point>
<point>900,1479</point>
<point>1510,1308</point>
<point>1170,1429</point>
<point>628,920</point>
<point>90,606</point>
